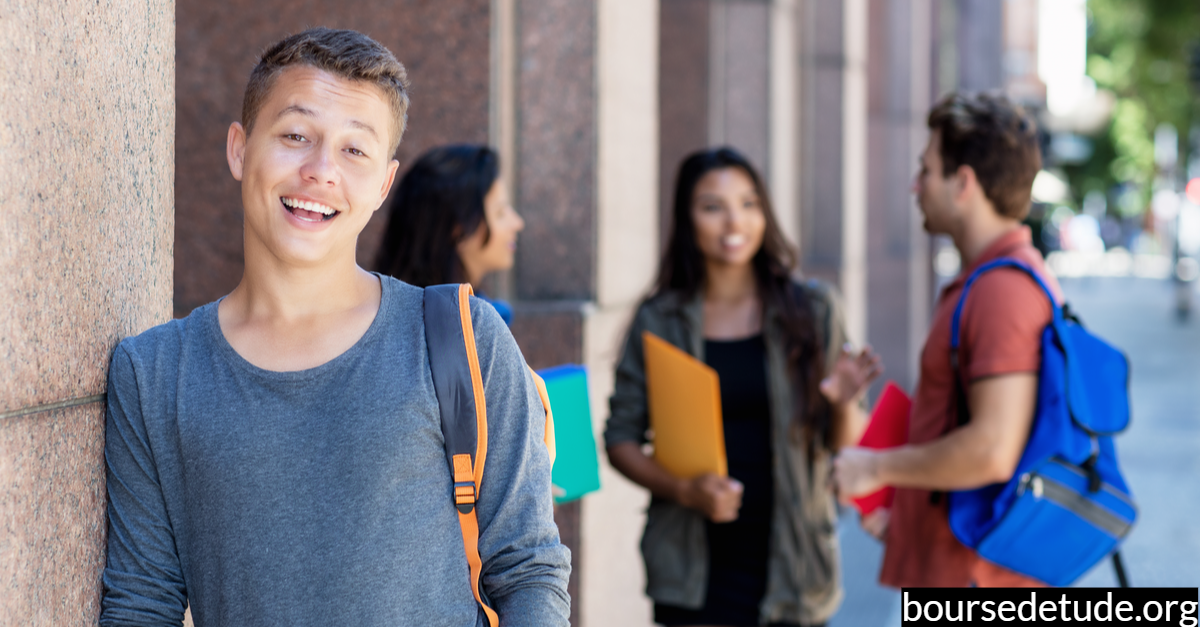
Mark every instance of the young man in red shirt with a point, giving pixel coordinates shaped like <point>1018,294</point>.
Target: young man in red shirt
<point>974,185</point>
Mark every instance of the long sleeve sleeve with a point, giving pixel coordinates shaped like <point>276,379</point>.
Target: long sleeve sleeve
<point>629,415</point>
<point>143,580</point>
<point>525,566</point>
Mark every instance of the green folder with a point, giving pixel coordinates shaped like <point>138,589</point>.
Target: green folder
<point>576,469</point>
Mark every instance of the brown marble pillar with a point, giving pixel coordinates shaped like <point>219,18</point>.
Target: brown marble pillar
<point>555,177</point>
<point>980,44</point>
<point>899,73</point>
<point>87,150</point>
<point>715,86</point>
<point>833,146</point>
<point>584,161</point>
<point>683,91</point>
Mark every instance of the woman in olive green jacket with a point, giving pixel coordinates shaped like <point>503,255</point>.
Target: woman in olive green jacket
<point>758,547</point>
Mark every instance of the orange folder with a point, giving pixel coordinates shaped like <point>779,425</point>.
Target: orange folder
<point>685,411</point>
<point>888,428</point>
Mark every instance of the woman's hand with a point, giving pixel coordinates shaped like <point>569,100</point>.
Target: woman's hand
<point>851,376</point>
<point>718,498</point>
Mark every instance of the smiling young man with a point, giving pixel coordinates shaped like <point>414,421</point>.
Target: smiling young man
<point>974,185</point>
<point>276,458</point>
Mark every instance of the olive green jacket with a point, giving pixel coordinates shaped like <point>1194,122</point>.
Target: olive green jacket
<point>803,570</point>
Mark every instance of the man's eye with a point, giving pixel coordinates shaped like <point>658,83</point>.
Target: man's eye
<point>295,137</point>
<point>356,152</point>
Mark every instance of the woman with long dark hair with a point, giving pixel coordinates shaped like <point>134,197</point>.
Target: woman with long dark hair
<point>450,221</point>
<point>759,546</point>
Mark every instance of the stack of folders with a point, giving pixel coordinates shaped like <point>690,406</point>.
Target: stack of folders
<point>685,411</point>
<point>888,428</point>
<point>576,469</point>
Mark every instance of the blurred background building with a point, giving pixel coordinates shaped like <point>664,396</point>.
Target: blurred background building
<point>592,105</point>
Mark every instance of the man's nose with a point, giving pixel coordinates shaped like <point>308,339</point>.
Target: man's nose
<point>320,166</point>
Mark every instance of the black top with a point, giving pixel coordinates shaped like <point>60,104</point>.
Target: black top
<point>738,550</point>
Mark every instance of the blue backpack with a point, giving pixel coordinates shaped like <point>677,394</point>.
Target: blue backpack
<point>1067,505</point>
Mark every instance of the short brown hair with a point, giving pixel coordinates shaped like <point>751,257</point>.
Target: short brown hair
<point>998,139</point>
<point>345,53</point>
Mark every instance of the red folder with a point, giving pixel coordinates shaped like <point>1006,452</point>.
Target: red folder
<point>888,428</point>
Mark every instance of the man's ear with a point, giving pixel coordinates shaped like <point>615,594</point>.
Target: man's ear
<point>235,149</point>
<point>966,184</point>
<point>392,166</point>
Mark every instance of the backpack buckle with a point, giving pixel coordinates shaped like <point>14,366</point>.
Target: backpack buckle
<point>464,496</point>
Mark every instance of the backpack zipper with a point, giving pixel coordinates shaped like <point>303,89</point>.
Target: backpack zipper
<point>1034,482</point>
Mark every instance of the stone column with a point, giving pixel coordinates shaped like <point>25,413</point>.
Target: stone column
<point>87,149</point>
<point>721,85</point>
<point>584,156</point>
<point>683,91</point>
<point>553,167</point>
<point>833,109</point>
<point>898,249</point>
<point>980,44</point>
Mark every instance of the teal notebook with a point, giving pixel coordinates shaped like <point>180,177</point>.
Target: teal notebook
<point>576,469</point>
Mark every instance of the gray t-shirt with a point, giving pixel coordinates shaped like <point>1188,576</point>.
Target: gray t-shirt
<point>322,496</point>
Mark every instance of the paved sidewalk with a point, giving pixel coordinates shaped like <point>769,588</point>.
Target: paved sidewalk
<point>1160,452</point>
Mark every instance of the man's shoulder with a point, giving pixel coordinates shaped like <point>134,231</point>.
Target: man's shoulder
<point>165,340</point>
<point>1012,288</point>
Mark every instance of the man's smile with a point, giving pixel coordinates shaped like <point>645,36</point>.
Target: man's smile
<point>308,210</point>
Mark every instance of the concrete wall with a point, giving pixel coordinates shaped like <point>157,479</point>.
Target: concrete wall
<point>87,148</point>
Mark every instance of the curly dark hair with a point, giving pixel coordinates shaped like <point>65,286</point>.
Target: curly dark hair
<point>997,139</point>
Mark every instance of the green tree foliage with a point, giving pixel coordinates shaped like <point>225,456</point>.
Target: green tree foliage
<point>1139,50</point>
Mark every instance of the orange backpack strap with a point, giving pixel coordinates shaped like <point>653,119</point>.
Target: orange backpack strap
<point>545,396</point>
<point>454,364</point>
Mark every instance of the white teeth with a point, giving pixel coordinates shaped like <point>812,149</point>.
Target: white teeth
<point>309,206</point>
<point>733,240</point>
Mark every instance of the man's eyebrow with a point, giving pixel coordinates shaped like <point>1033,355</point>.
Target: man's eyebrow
<point>297,109</point>
<point>364,126</point>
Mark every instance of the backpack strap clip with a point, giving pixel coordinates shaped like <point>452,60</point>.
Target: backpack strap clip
<point>464,484</point>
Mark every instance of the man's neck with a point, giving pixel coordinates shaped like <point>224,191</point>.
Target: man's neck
<point>979,231</point>
<point>281,293</point>
<point>287,319</point>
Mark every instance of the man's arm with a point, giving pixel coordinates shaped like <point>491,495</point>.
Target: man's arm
<point>143,580</point>
<point>984,451</point>
<point>525,566</point>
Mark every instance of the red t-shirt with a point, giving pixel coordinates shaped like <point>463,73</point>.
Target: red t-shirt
<point>1002,326</point>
